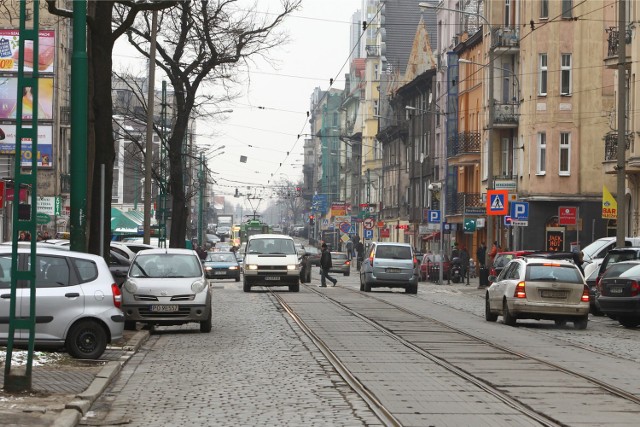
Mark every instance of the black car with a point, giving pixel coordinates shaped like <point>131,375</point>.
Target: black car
<point>119,266</point>
<point>618,293</point>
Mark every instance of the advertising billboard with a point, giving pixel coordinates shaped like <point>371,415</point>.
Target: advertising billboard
<point>9,102</point>
<point>9,50</point>
<point>45,144</point>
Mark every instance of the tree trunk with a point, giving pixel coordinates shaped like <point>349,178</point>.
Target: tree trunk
<point>179,208</point>
<point>100,47</point>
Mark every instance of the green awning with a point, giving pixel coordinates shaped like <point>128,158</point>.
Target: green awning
<point>126,221</point>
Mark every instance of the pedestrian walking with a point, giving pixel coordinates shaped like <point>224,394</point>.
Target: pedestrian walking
<point>359,253</point>
<point>325,265</point>
<point>201,252</point>
<point>493,253</point>
<point>481,254</point>
<point>349,249</point>
<point>464,260</point>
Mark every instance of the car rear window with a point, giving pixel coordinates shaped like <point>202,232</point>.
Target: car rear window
<point>623,270</point>
<point>221,257</point>
<point>335,255</point>
<point>553,273</point>
<point>393,252</point>
<point>614,257</point>
<point>87,270</point>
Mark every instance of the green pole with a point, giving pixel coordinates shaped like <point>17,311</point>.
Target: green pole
<point>79,131</point>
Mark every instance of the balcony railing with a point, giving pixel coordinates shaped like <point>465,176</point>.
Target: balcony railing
<point>506,113</point>
<point>505,37</point>
<point>463,143</point>
<point>464,201</point>
<point>614,42</point>
<point>611,145</point>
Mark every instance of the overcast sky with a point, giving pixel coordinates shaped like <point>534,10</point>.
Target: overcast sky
<point>318,50</point>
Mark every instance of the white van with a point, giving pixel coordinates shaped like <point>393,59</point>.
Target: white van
<point>271,260</point>
<point>595,252</point>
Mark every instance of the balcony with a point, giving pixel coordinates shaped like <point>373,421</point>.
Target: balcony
<point>464,149</point>
<point>507,115</point>
<point>505,38</point>
<point>611,154</point>
<point>611,61</point>
<point>465,204</point>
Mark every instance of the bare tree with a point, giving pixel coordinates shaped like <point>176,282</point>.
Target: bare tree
<point>102,36</point>
<point>200,44</point>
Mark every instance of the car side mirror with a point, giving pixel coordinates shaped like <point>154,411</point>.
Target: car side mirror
<point>492,278</point>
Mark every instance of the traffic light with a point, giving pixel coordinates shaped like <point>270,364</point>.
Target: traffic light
<point>237,194</point>
<point>312,220</point>
<point>298,191</point>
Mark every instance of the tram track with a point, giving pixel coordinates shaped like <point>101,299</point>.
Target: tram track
<point>386,416</point>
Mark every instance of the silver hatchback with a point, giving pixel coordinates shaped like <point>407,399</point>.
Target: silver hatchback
<point>167,287</point>
<point>390,265</point>
<point>77,301</point>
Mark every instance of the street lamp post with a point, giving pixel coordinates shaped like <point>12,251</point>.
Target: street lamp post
<point>490,230</point>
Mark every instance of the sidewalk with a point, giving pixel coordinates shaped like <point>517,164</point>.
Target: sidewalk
<point>63,392</point>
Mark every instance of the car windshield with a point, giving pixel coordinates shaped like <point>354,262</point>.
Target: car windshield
<point>165,265</point>
<point>502,260</point>
<point>615,257</point>
<point>594,248</point>
<point>393,252</point>
<point>268,246</point>
<point>553,273</point>
<point>338,255</point>
<point>221,257</point>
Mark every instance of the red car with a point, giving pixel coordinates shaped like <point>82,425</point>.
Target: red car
<point>502,259</point>
<point>430,267</point>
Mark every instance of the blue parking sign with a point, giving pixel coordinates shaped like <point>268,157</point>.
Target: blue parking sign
<point>434,216</point>
<point>520,211</point>
<point>368,234</point>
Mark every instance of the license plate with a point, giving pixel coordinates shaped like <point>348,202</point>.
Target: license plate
<point>272,278</point>
<point>392,270</point>
<point>220,272</point>
<point>164,308</point>
<point>553,294</point>
<point>616,290</point>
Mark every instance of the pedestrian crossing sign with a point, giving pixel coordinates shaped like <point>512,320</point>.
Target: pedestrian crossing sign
<point>497,202</point>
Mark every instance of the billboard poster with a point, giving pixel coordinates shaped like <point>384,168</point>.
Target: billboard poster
<point>45,144</point>
<point>9,50</point>
<point>9,102</point>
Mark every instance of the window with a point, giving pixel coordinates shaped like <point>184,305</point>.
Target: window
<point>542,75</point>
<point>542,153</point>
<point>544,9</point>
<point>566,8</point>
<point>565,74</point>
<point>565,154</point>
<point>507,12</point>
<point>504,158</point>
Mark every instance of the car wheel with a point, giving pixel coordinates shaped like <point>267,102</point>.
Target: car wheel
<point>294,288</point>
<point>246,286</point>
<point>367,287</point>
<point>560,322</point>
<point>488,315</point>
<point>361,283</point>
<point>581,323</point>
<point>237,278</point>
<point>129,325</point>
<point>86,340</point>
<point>508,318</point>
<point>347,274</point>
<point>205,325</point>
<point>629,321</point>
<point>413,289</point>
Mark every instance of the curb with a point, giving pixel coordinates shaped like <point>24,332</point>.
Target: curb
<point>76,409</point>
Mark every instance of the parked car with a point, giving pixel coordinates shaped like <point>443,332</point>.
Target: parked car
<point>123,250</point>
<point>430,267</point>
<point>222,265</point>
<point>541,289</point>
<point>167,287</point>
<point>618,293</point>
<point>390,265</point>
<point>136,247</point>
<point>595,252</point>
<point>340,263</point>
<point>118,266</point>
<point>69,314</point>
<point>592,281</point>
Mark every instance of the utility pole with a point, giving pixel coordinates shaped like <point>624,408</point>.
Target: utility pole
<point>201,200</point>
<point>491,106</point>
<point>621,225</point>
<point>148,152</point>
